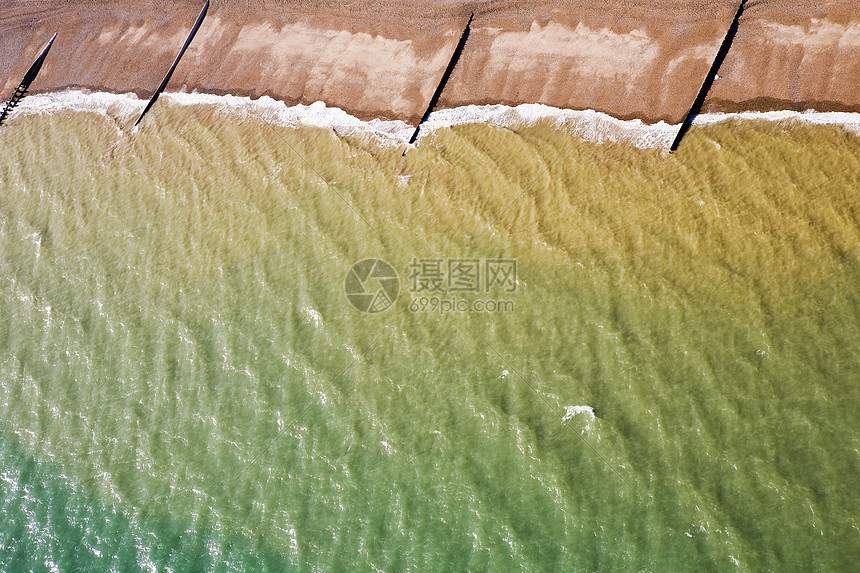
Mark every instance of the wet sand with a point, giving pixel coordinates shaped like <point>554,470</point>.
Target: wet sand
<point>643,59</point>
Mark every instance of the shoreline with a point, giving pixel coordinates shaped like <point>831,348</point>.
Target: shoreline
<point>377,60</point>
<point>589,125</point>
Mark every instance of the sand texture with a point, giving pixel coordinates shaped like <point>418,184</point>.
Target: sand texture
<point>632,59</point>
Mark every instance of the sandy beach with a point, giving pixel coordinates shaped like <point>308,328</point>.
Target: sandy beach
<point>373,59</point>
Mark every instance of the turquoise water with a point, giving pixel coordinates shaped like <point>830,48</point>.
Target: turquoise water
<point>184,384</point>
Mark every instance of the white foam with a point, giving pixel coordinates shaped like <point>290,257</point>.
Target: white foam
<point>849,120</point>
<point>590,125</point>
<point>585,412</point>
<point>571,411</point>
<point>311,315</point>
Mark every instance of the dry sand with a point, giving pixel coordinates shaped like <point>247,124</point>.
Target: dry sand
<point>630,58</point>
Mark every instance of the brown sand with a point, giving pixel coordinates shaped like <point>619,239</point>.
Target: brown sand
<point>630,58</point>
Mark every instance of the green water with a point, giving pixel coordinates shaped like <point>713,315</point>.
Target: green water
<point>185,386</point>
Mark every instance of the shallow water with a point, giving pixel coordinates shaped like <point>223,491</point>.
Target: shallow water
<point>185,384</point>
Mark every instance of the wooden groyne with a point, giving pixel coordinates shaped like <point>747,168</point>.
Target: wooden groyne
<point>175,62</point>
<point>709,79</point>
<point>22,88</point>
<point>451,65</point>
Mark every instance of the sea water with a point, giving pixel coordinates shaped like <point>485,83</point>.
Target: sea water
<point>668,380</point>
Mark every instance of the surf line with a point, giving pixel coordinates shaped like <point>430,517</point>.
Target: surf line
<point>175,62</point>
<point>709,79</point>
<point>451,64</point>
<point>22,88</point>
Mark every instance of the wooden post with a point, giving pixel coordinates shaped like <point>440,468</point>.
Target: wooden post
<point>22,88</point>
<point>451,64</point>
<point>709,79</point>
<point>175,62</point>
